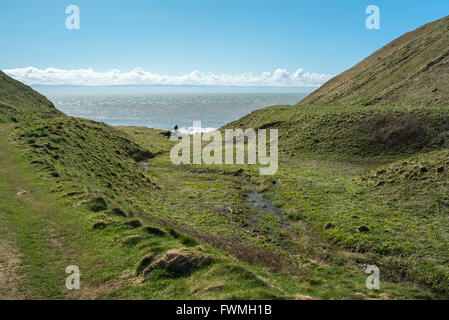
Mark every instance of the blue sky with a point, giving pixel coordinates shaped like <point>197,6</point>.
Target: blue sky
<point>174,37</point>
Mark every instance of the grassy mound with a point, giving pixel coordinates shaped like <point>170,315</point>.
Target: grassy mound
<point>353,131</point>
<point>421,182</point>
<point>179,262</point>
<point>431,169</point>
<point>89,161</point>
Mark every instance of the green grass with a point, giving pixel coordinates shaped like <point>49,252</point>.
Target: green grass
<point>411,69</point>
<point>381,167</point>
<point>108,258</point>
<point>353,132</point>
<point>313,193</point>
<point>150,139</point>
<point>407,234</point>
<point>350,190</point>
<point>18,100</point>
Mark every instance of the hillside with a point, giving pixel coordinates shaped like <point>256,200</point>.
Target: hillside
<point>17,99</point>
<point>412,69</point>
<point>393,103</point>
<point>353,132</point>
<point>365,156</point>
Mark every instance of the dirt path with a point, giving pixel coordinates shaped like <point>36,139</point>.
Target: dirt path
<point>10,257</point>
<point>22,213</point>
<point>29,226</point>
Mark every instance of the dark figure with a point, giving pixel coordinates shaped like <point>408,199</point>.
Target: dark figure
<point>176,128</point>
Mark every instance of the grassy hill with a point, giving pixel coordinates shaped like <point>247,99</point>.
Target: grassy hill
<point>349,132</point>
<point>411,69</point>
<point>393,103</point>
<point>17,99</point>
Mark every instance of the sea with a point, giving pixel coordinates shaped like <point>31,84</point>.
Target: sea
<point>164,107</point>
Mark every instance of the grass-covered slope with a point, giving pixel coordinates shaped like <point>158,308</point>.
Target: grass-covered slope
<point>395,102</point>
<point>353,131</point>
<point>412,69</point>
<point>17,99</point>
<point>72,192</point>
<point>93,156</point>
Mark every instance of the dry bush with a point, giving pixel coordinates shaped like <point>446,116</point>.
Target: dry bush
<point>397,130</point>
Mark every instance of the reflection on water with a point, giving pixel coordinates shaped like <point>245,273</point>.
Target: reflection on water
<point>164,111</point>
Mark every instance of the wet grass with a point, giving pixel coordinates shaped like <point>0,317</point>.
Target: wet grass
<point>314,194</point>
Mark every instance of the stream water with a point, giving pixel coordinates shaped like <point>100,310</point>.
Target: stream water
<point>254,199</point>
<point>257,201</point>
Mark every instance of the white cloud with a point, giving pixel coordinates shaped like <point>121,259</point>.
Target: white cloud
<point>138,76</point>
